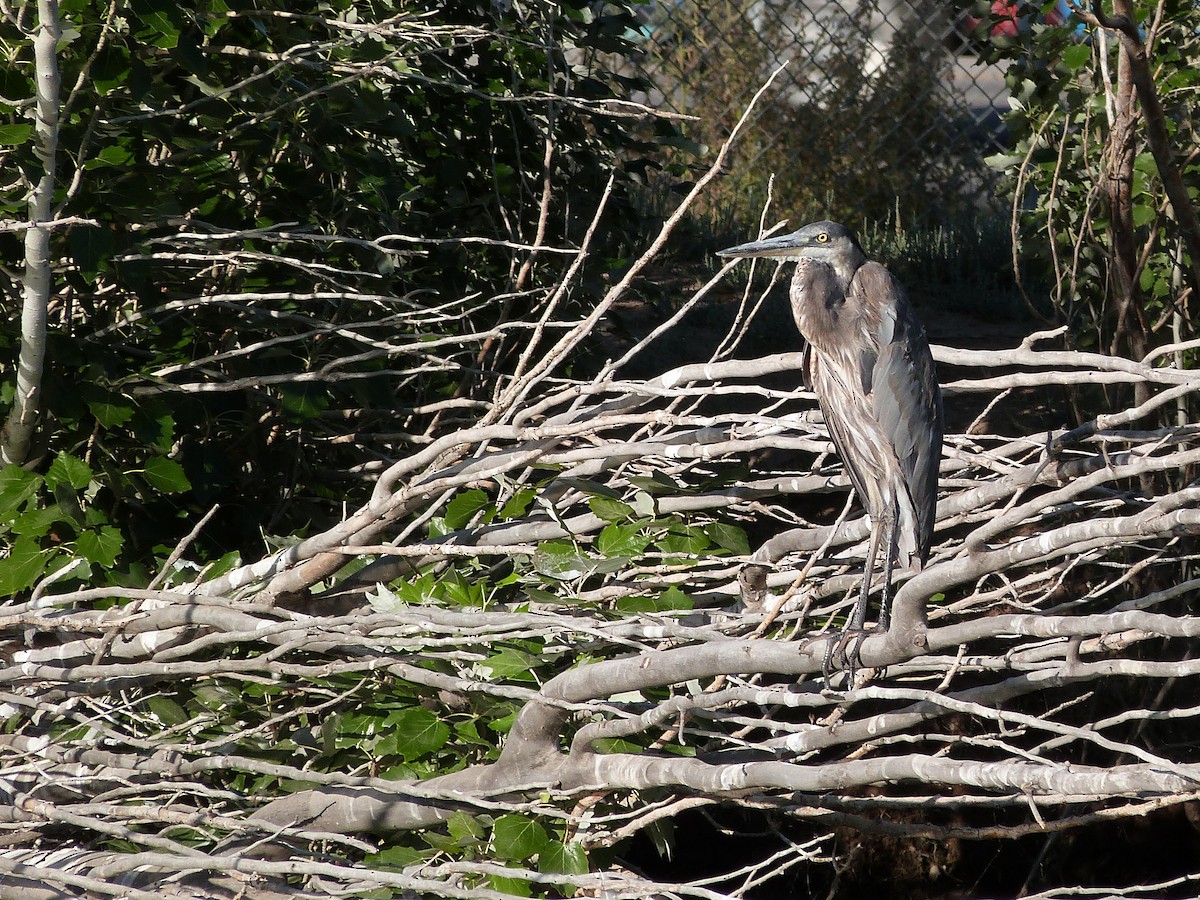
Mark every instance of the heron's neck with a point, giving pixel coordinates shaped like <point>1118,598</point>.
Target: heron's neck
<point>845,268</point>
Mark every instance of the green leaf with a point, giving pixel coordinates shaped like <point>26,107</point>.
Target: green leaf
<point>562,561</point>
<point>100,545</point>
<point>636,604</point>
<point>1143,214</point>
<point>36,522</point>
<point>518,837</point>
<point>215,696</point>
<point>301,402</point>
<point>616,745</point>
<point>692,541</point>
<point>167,711</point>
<point>14,135</point>
<point>111,410</point>
<point>673,598</point>
<point>16,486</point>
<point>68,470</point>
<point>395,858</point>
<point>114,156</point>
<point>465,829</point>
<point>21,567</point>
<point>1076,56</point>
<point>417,732</point>
<point>515,887</point>
<point>729,537</point>
<point>621,540</point>
<point>161,21</point>
<point>508,662</point>
<point>644,505</point>
<point>166,475</point>
<point>610,510</point>
<point>656,483</point>
<point>464,505</point>
<point>517,504</point>
<point>567,859</point>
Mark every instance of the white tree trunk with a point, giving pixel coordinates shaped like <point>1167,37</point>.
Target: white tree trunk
<point>18,430</point>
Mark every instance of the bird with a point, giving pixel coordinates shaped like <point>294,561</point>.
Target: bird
<point>867,359</point>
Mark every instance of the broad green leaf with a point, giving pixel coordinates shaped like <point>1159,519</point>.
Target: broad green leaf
<point>304,401</point>
<point>1143,214</point>
<point>616,745</point>
<point>442,842</point>
<point>508,662</point>
<point>22,566</point>
<point>610,510</point>
<point>621,540</point>
<point>465,829</point>
<point>729,537</point>
<point>655,483</point>
<point>514,887</point>
<point>395,858</point>
<point>568,859</point>
<point>384,600</point>
<point>166,475</point>
<point>518,837</point>
<point>16,486</point>
<point>673,598</point>
<point>643,504</point>
<point>113,155</point>
<point>1076,56</point>
<point>692,541</point>
<point>167,711</point>
<point>464,505</point>
<point>417,732</point>
<point>110,409</point>
<point>68,470</point>
<point>14,135</point>
<point>636,604</point>
<point>215,696</point>
<point>36,522</point>
<point>503,724</point>
<point>517,504</point>
<point>562,561</point>
<point>100,545</point>
<point>161,20</point>
<point>226,563</point>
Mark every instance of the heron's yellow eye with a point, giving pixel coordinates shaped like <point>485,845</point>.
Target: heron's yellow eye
<point>823,237</point>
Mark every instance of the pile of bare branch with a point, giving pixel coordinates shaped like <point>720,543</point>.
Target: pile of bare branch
<point>1027,684</point>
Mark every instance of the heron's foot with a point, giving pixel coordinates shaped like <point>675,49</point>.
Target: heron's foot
<point>844,653</point>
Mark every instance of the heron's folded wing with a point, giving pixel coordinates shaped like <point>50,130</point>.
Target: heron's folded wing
<point>905,396</point>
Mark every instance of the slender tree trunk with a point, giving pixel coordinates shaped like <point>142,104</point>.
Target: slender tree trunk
<point>17,433</point>
<point>1129,335</point>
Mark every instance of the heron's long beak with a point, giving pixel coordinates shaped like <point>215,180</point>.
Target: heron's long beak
<point>781,245</point>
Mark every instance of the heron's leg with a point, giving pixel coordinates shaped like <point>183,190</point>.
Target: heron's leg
<point>858,618</point>
<point>849,644</point>
<point>889,564</point>
<point>887,528</point>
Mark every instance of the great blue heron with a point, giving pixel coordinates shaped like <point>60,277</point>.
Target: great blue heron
<point>869,364</point>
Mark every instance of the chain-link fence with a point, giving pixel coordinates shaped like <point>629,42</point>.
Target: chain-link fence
<point>883,107</point>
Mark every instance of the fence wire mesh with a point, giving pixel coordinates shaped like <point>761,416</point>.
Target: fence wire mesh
<point>883,108</point>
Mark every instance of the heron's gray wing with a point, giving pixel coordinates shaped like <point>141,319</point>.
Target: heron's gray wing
<point>839,364</point>
<point>905,397</point>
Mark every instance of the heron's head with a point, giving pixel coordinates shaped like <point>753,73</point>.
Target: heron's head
<point>828,242</point>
